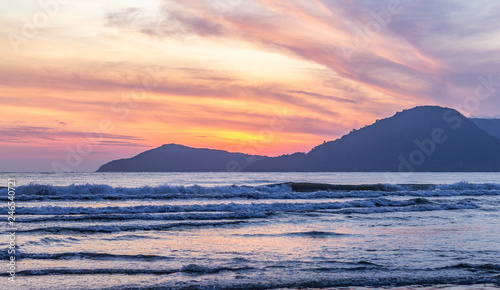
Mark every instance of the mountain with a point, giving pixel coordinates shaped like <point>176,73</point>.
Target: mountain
<point>490,126</point>
<point>426,138</point>
<point>179,158</point>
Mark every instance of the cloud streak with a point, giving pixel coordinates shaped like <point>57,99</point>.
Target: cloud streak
<point>185,69</point>
<point>406,59</point>
<point>32,134</point>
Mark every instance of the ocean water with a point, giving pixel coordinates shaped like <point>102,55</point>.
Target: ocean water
<point>253,231</point>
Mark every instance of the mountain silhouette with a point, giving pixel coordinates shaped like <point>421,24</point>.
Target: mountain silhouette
<point>179,158</point>
<point>425,139</point>
<point>490,126</point>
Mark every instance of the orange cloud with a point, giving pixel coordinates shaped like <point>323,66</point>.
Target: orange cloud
<point>225,77</point>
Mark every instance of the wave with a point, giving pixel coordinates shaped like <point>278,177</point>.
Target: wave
<point>150,217</point>
<point>248,211</point>
<point>316,234</point>
<point>243,207</point>
<point>189,269</point>
<point>91,256</point>
<point>364,275</point>
<point>106,192</point>
<point>52,241</point>
<point>309,234</point>
<point>36,192</point>
<point>126,228</point>
<point>209,215</point>
<point>476,267</point>
<point>386,187</point>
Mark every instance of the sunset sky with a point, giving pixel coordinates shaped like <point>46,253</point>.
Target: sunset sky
<point>86,82</point>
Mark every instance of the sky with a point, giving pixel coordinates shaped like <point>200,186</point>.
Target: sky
<point>86,82</point>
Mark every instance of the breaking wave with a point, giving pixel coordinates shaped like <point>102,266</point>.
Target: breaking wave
<point>372,204</point>
<point>34,192</point>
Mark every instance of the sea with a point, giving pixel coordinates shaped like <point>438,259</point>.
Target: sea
<point>251,231</point>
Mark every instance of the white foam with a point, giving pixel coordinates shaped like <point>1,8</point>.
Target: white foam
<point>241,207</point>
<point>35,192</point>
